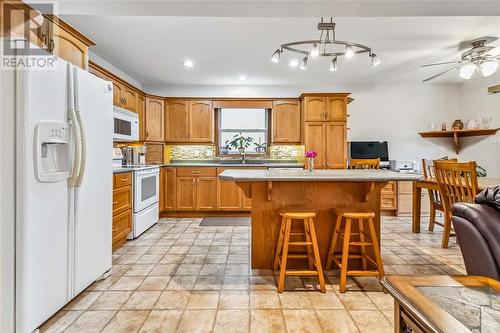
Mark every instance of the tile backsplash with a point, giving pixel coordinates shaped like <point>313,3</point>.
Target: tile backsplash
<point>287,152</point>
<point>204,152</point>
<point>191,152</point>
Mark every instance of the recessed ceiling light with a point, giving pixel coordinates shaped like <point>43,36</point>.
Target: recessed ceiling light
<point>293,63</point>
<point>188,63</point>
<point>242,77</point>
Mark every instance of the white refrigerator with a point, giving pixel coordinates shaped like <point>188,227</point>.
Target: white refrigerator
<point>63,188</point>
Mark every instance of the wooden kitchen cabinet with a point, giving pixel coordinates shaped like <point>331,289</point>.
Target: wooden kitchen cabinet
<point>46,31</point>
<point>314,108</point>
<point>189,121</point>
<point>155,152</point>
<point>285,120</point>
<point>388,197</point>
<point>167,189</point>
<point>153,119</point>
<point>177,121</point>
<point>325,128</point>
<point>206,193</point>
<point>141,111</point>
<point>315,139</point>
<point>229,194</point>
<point>186,193</point>
<point>122,208</point>
<point>335,144</point>
<point>201,121</point>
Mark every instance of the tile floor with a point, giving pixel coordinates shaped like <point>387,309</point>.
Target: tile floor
<point>180,277</point>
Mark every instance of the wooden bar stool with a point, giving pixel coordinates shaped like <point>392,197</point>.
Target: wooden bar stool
<point>365,239</point>
<point>306,238</point>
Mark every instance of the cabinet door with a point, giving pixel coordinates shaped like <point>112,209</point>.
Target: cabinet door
<point>66,46</point>
<point>117,93</point>
<point>167,191</point>
<point>154,119</point>
<point>201,121</point>
<point>186,193</point>
<point>286,121</point>
<point>206,193</point>
<point>129,97</point>
<point>336,108</point>
<point>314,108</point>
<point>314,137</point>
<point>154,152</point>
<point>176,121</point>
<point>228,193</point>
<point>141,112</point>
<point>336,146</point>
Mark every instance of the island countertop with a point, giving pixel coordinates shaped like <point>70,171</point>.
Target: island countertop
<point>299,175</point>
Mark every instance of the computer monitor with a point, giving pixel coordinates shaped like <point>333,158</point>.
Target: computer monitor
<point>369,149</point>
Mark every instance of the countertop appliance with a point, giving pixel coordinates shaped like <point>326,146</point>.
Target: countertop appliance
<point>403,165</point>
<point>62,227</point>
<point>139,155</point>
<point>146,191</point>
<point>117,157</point>
<point>126,125</point>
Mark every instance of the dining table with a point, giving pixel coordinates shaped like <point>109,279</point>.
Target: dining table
<point>431,184</point>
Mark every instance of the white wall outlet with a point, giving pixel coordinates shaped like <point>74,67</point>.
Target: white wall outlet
<point>196,153</point>
<point>294,153</point>
<point>210,152</point>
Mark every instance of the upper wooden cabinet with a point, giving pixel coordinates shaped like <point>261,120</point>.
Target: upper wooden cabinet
<point>176,121</point>
<point>189,121</point>
<point>48,32</point>
<point>124,96</point>
<point>141,110</point>
<point>325,108</point>
<point>153,119</point>
<point>285,120</point>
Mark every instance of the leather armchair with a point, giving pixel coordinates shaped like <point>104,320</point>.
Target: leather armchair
<point>477,227</point>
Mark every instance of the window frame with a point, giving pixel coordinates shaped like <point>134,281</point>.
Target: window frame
<point>266,131</point>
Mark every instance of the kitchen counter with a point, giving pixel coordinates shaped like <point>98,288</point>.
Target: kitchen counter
<point>318,175</point>
<point>324,191</point>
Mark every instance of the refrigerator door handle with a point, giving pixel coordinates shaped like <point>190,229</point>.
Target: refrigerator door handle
<point>77,161</point>
<point>83,159</point>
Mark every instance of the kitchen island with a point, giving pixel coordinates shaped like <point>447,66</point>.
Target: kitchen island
<point>325,191</point>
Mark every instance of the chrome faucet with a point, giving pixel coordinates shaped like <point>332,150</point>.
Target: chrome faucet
<point>243,157</point>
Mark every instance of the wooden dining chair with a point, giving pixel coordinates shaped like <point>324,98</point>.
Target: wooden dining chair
<point>364,163</point>
<point>457,183</point>
<point>434,196</point>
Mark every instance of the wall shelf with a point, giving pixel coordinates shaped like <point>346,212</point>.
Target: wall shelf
<point>457,134</point>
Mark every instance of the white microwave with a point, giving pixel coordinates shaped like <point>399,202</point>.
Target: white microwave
<point>126,125</point>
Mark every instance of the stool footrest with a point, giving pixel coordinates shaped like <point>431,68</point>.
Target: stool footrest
<point>299,273</point>
<point>299,243</point>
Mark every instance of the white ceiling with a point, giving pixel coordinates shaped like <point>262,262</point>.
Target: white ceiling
<point>152,48</point>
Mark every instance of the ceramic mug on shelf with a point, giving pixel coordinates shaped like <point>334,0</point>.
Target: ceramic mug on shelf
<point>472,124</point>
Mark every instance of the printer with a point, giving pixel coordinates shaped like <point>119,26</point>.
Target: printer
<point>407,166</point>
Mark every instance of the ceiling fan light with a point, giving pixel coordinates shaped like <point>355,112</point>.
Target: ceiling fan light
<point>303,64</point>
<point>276,56</point>
<point>315,50</point>
<point>349,52</point>
<point>488,68</point>
<point>467,71</point>
<point>333,65</point>
<point>375,60</point>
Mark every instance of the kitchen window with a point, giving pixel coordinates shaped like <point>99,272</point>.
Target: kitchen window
<point>252,124</point>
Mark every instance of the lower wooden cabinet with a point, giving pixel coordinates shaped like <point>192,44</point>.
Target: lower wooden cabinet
<point>186,193</point>
<point>206,193</point>
<point>167,189</point>
<point>229,196</point>
<point>405,200</point>
<point>122,208</point>
<point>388,197</point>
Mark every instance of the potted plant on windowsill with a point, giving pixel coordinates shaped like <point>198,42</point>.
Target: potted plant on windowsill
<point>240,142</point>
<point>260,147</point>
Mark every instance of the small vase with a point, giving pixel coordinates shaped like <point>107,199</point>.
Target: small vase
<point>310,164</point>
<point>457,125</point>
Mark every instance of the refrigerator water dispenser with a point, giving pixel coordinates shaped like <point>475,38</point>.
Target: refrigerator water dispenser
<point>52,145</point>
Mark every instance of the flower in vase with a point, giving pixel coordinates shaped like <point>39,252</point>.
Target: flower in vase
<point>311,154</point>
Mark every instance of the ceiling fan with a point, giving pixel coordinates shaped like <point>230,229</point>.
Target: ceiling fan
<point>480,57</point>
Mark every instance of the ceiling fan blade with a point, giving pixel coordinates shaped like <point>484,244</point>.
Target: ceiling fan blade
<point>444,72</point>
<point>495,52</point>
<point>442,63</point>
